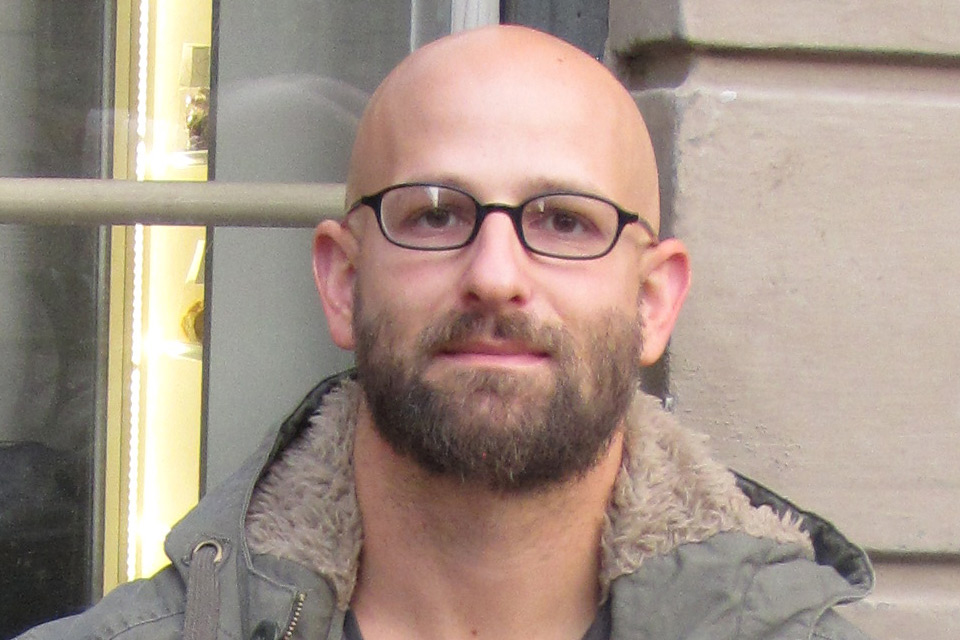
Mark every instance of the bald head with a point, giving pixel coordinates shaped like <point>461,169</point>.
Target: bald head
<point>506,112</point>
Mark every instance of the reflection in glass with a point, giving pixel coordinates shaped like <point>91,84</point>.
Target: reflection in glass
<point>48,388</point>
<point>51,125</point>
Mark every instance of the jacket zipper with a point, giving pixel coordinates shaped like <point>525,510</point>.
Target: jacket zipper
<point>295,618</point>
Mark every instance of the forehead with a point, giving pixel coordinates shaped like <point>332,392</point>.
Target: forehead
<point>503,118</point>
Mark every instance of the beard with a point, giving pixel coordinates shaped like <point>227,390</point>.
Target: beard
<point>507,431</point>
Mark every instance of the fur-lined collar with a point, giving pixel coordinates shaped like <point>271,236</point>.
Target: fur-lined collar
<point>668,492</point>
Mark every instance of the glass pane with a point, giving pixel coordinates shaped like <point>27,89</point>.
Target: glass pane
<point>51,125</point>
<point>292,79</point>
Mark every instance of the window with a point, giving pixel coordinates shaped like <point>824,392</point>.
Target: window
<point>99,324</point>
<point>52,312</point>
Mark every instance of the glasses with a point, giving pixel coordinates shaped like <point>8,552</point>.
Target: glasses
<point>430,217</point>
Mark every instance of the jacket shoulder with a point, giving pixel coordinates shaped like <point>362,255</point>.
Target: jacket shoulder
<point>141,610</point>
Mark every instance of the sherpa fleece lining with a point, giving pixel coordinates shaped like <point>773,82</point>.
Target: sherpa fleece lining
<point>668,492</point>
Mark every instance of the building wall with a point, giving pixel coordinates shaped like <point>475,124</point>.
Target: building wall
<point>809,155</point>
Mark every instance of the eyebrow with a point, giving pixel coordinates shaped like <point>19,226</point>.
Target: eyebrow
<point>544,185</point>
<point>533,186</point>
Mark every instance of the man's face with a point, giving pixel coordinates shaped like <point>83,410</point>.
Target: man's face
<point>488,362</point>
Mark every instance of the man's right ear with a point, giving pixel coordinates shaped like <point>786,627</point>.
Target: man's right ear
<point>335,250</point>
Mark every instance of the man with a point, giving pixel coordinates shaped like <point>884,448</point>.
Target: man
<point>492,471</point>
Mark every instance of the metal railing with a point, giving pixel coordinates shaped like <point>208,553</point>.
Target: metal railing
<point>120,202</point>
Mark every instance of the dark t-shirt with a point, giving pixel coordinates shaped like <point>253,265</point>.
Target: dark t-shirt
<point>599,630</point>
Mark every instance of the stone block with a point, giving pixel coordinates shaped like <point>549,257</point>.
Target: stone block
<point>912,600</point>
<point>920,26</point>
<point>820,346</point>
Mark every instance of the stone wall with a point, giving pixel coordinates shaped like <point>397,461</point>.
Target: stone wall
<point>810,154</point>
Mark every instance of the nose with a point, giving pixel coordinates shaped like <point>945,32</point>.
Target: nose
<point>496,271</point>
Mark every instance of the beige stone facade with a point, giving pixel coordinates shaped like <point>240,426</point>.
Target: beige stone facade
<point>810,158</point>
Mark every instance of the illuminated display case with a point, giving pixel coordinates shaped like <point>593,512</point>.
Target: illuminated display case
<point>156,328</point>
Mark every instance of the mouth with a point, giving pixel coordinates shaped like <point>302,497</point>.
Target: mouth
<point>493,353</point>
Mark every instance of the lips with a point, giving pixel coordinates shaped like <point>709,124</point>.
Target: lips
<point>493,348</point>
<point>492,353</point>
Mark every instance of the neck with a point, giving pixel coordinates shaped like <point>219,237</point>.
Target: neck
<point>447,559</point>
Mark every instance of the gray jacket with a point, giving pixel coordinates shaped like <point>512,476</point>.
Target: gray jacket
<point>745,576</point>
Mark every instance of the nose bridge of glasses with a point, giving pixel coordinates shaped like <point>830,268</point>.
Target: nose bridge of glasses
<point>514,212</point>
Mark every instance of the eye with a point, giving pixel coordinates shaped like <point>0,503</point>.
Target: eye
<point>434,218</point>
<point>559,221</point>
<point>431,222</point>
<point>564,222</point>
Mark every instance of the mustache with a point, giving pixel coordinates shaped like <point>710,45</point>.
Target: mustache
<point>454,327</point>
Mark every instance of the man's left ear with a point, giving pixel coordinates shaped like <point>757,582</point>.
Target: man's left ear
<point>667,266</point>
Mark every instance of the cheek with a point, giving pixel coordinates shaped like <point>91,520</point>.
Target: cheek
<point>403,288</point>
<point>606,289</point>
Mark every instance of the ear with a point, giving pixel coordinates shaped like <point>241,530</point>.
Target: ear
<point>662,294</point>
<point>335,250</point>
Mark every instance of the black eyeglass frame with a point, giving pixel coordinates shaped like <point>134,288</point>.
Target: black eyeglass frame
<point>515,212</point>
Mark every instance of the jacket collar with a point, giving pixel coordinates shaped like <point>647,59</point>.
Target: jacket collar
<point>297,491</point>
